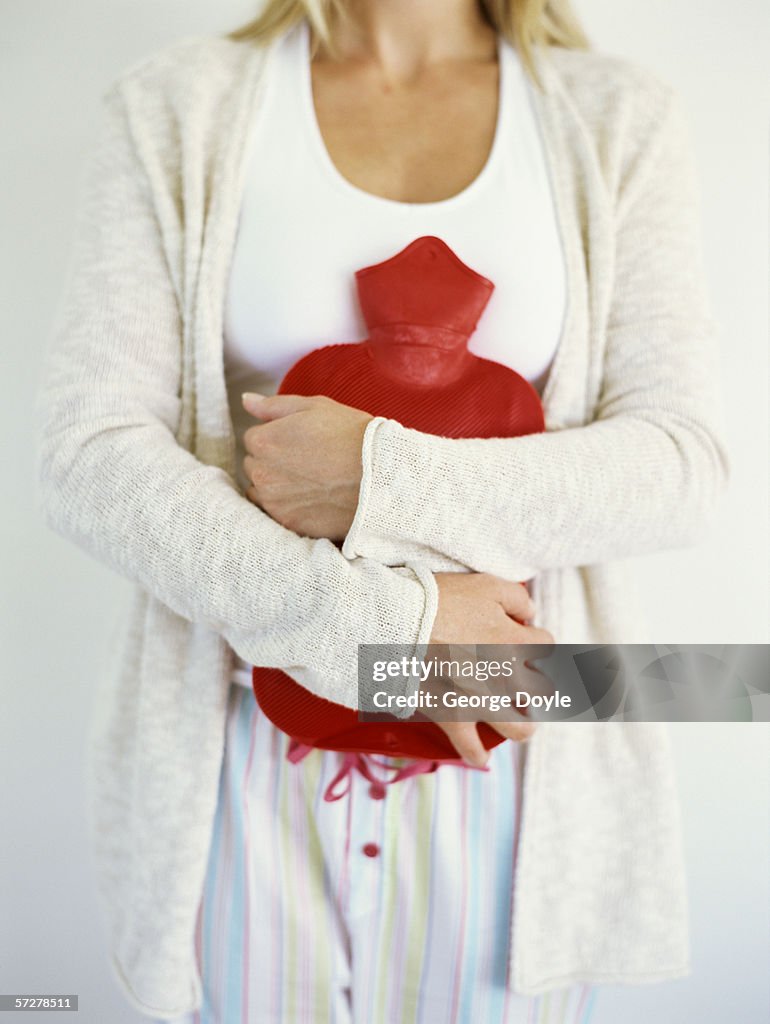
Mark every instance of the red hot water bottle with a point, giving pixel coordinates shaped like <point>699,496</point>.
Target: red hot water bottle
<point>421,306</point>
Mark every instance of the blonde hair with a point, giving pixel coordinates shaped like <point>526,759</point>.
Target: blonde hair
<point>527,24</point>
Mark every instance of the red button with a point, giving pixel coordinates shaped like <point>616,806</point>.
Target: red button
<point>377,791</point>
<point>371,850</point>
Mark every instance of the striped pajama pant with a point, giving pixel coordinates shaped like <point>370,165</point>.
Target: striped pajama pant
<point>369,909</point>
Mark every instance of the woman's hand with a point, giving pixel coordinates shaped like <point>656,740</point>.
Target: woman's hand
<point>304,462</point>
<point>479,608</point>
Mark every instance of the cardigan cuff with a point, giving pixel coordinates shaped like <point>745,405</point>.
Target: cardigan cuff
<point>352,543</point>
<point>407,687</point>
<point>411,508</point>
<point>385,524</point>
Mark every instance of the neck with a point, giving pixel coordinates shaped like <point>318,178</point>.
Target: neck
<point>403,38</point>
<point>412,362</point>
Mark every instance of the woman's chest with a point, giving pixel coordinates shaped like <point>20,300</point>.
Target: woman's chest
<point>304,229</point>
<point>292,281</point>
<point>417,143</point>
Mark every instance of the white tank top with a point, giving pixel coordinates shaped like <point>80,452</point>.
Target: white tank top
<point>304,230</point>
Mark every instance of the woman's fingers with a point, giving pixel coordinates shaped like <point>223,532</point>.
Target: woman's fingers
<point>270,407</point>
<point>479,608</point>
<point>464,737</point>
<point>516,731</point>
<point>514,598</point>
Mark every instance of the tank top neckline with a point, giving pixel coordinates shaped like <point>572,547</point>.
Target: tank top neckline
<point>309,120</point>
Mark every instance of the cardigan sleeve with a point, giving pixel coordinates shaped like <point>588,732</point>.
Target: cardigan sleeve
<point>646,472</point>
<point>113,478</point>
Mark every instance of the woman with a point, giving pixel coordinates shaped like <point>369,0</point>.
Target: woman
<point>236,184</point>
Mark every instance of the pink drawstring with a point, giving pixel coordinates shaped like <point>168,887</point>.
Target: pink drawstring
<point>354,761</point>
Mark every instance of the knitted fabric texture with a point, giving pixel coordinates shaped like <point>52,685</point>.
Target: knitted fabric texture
<point>137,467</point>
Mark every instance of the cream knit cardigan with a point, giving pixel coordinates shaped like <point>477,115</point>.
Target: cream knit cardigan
<point>137,466</point>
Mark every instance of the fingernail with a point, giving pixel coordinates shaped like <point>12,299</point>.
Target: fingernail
<point>248,397</point>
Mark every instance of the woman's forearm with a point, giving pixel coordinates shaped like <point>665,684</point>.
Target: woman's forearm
<point>616,488</point>
<point>114,479</point>
<point>644,474</point>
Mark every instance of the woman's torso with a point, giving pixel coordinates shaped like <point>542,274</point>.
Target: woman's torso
<point>304,229</point>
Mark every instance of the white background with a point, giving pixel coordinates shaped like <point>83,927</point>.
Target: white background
<point>58,605</point>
